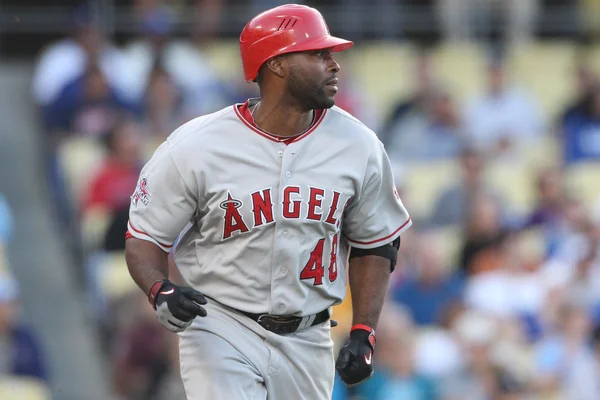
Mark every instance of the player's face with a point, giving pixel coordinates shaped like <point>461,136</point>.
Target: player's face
<point>312,78</point>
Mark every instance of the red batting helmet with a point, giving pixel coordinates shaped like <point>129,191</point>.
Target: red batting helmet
<point>284,29</point>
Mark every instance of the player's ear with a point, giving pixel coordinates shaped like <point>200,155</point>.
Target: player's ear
<point>276,65</point>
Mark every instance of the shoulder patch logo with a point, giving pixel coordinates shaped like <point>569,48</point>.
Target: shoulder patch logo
<point>141,192</point>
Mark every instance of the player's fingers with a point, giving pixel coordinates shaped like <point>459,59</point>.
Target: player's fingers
<point>183,315</point>
<point>175,326</point>
<point>193,295</point>
<point>343,359</point>
<point>192,308</point>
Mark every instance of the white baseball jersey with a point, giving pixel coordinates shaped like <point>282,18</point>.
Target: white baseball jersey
<point>268,221</point>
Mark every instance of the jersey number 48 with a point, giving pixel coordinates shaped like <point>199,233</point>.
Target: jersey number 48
<point>315,269</point>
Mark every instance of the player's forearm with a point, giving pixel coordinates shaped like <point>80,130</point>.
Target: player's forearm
<point>369,279</point>
<point>147,263</point>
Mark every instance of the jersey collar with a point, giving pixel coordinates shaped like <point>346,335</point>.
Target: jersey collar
<point>242,110</point>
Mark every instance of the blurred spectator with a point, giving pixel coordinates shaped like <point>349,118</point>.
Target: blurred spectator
<point>548,210</point>
<point>484,235</point>
<point>141,350</point>
<point>471,19</point>
<point>415,102</point>
<point>580,130</point>
<point>585,81</point>
<point>64,61</point>
<point>564,360</point>
<point>87,106</point>
<point>504,117</point>
<point>171,385</point>
<point>481,376</point>
<point>433,131</point>
<point>453,204</point>
<point>182,60</point>
<point>162,106</point>
<point>433,287</point>
<point>575,265</point>
<point>114,183</point>
<point>111,187</point>
<point>20,351</point>
<point>6,221</point>
<point>395,375</point>
<point>513,288</point>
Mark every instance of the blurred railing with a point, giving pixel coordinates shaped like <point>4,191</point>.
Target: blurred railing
<point>412,19</point>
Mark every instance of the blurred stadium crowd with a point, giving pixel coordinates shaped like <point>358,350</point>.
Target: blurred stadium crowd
<point>497,157</point>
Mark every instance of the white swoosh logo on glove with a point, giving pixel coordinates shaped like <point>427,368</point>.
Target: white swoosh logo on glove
<point>168,291</point>
<point>368,360</point>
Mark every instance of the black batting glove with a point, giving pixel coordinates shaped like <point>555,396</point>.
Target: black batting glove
<point>176,307</point>
<point>355,360</point>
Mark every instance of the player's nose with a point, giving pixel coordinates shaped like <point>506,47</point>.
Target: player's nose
<point>333,66</point>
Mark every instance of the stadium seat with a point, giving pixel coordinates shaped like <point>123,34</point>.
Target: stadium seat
<point>21,388</point>
<point>79,158</point>
<point>460,67</point>
<point>4,265</point>
<point>450,240</point>
<point>514,182</point>
<point>422,183</point>
<point>583,182</point>
<point>370,63</point>
<point>546,70</point>
<point>94,223</point>
<point>113,276</point>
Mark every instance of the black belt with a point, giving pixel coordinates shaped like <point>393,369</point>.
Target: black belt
<point>288,324</point>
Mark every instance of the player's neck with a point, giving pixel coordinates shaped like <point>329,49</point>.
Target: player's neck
<point>281,119</point>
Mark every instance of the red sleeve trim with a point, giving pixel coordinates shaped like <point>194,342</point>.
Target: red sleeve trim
<point>383,238</point>
<point>166,246</point>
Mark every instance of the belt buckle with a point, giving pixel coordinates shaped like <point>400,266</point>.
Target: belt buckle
<point>277,324</point>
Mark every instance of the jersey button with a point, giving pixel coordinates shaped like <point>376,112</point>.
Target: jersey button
<point>281,307</point>
<point>284,234</point>
<point>284,271</point>
<point>280,153</point>
<point>288,174</point>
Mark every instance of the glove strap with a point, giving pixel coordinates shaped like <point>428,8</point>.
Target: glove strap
<point>154,292</point>
<point>364,332</point>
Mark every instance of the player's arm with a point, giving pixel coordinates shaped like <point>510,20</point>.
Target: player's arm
<point>162,204</point>
<point>369,274</point>
<point>373,224</point>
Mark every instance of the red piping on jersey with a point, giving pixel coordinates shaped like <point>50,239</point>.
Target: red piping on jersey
<point>243,113</point>
<point>145,234</point>
<point>383,238</point>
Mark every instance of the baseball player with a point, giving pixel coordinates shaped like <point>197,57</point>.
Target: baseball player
<point>270,202</point>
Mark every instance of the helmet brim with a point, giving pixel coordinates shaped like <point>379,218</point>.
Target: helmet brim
<point>334,43</point>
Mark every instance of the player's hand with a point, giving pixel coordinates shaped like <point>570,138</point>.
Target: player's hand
<point>176,307</point>
<point>355,361</point>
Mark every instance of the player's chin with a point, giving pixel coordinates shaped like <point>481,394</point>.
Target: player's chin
<point>326,102</point>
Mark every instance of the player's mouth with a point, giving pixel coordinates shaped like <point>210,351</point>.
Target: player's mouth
<point>332,84</point>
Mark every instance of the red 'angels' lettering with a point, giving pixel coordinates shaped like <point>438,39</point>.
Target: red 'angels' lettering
<point>334,203</point>
<point>292,199</point>
<point>233,219</point>
<point>315,200</point>
<point>287,193</point>
<point>262,207</point>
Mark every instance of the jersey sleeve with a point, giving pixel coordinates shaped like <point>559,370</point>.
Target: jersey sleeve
<point>376,216</point>
<point>162,203</point>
